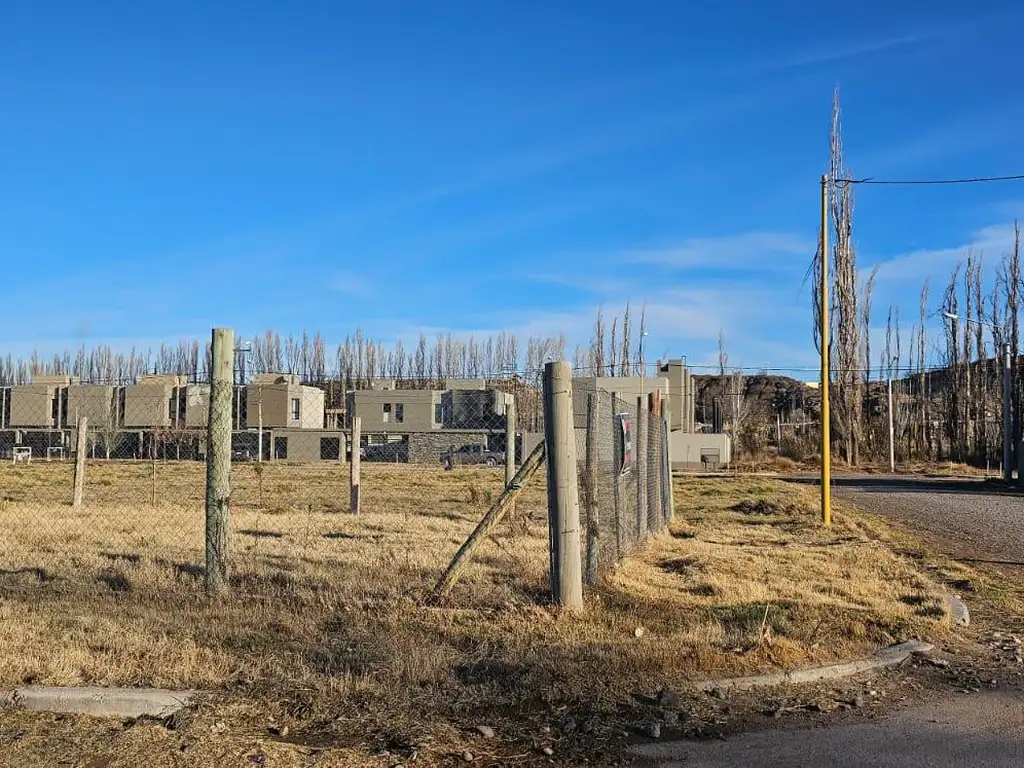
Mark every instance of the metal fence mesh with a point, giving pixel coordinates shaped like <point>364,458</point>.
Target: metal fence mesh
<point>623,477</point>
<point>433,460</point>
<point>432,455</point>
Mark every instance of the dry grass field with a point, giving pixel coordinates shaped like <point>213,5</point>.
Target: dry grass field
<point>327,630</point>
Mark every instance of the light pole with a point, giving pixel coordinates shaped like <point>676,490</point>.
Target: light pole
<point>999,334</point>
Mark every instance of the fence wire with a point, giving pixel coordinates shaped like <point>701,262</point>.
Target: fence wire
<point>432,455</point>
<point>433,460</point>
<point>623,470</point>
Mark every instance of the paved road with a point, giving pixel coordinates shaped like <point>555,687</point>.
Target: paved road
<point>967,519</point>
<point>985,729</point>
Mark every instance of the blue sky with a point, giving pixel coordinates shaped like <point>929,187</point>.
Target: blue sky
<point>166,167</point>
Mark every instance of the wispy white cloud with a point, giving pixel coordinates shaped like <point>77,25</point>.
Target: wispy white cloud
<point>915,266</point>
<point>839,50</point>
<point>753,250</point>
<point>351,284</point>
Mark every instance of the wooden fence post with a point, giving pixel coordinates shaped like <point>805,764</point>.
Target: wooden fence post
<point>640,454</point>
<point>590,490</point>
<point>80,450</point>
<point>617,471</point>
<point>510,445</point>
<point>353,465</point>
<point>654,423</point>
<point>218,461</point>
<point>563,493</point>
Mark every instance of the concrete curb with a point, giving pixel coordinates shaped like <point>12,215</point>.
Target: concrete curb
<point>887,657</point>
<point>99,702</point>
<point>957,610</point>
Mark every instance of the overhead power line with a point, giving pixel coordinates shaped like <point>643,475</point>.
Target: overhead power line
<point>930,182</point>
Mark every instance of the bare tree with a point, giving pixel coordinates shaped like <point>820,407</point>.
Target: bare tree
<point>849,384</point>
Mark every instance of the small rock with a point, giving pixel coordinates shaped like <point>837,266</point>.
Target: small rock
<point>858,701</point>
<point>218,728</point>
<point>668,699</point>
<point>941,663</point>
<point>1015,640</point>
<point>670,718</point>
<point>1018,658</point>
<point>718,693</point>
<point>569,726</point>
<point>639,632</point>
<point>467,756</point>
<point>872,693</point>
<point>548,751</point>
<point>654,730</point>
<point>486,731</point>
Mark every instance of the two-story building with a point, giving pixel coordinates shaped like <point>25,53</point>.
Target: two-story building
<point>422,425</point>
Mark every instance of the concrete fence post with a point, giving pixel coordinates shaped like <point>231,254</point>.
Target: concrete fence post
<point>80,451</point>
<point>218,461</point>
<point>566,566</point>
<point>353,465</point>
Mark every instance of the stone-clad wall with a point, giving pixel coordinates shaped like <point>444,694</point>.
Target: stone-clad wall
<point>429,447</point>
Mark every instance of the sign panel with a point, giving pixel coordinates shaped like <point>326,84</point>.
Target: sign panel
<point>626,455</point>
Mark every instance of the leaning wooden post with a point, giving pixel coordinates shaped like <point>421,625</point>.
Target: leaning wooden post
<point>80,450</point>
<point>563,493</point>
<point>218,461</point>
<point>353,465</point>
<point>497,512</point>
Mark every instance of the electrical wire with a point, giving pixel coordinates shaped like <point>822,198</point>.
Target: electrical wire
<point>930,182</point>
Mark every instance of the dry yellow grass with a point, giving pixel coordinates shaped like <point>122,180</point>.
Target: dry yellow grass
<point>326,628</point>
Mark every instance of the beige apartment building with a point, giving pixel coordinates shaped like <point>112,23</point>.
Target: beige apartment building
<point>280,400</point>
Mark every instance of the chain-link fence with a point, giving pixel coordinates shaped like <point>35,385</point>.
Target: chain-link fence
<point>103,485</point>
<point>624,476</point>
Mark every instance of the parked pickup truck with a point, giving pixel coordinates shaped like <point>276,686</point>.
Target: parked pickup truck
<point>474,454</point>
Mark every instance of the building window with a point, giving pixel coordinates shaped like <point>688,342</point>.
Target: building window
<point>399,413</point>
<point>438,414</point>
<point>387,413</point>
<point>296,408</point>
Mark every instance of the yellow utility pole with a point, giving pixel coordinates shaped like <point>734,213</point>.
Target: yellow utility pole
<point>826,456</point>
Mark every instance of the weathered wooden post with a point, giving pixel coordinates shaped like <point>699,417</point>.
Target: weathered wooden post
<point>563,494</point>
<point>218,461</point>
<point>80,450</point>
<point>353,465</point>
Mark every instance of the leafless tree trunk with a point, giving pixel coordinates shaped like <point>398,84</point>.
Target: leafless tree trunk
<point>869,288</point>
<point>924,446</point>
<point>847,319</point>
<point>597,345</point>
<point>624,360</point>
<point>954,387</point>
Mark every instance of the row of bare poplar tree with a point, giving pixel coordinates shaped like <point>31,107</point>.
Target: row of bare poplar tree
<point>947,391</point>
<point>355,361</point>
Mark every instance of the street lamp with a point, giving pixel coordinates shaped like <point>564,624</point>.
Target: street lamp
<point>999,334</point>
